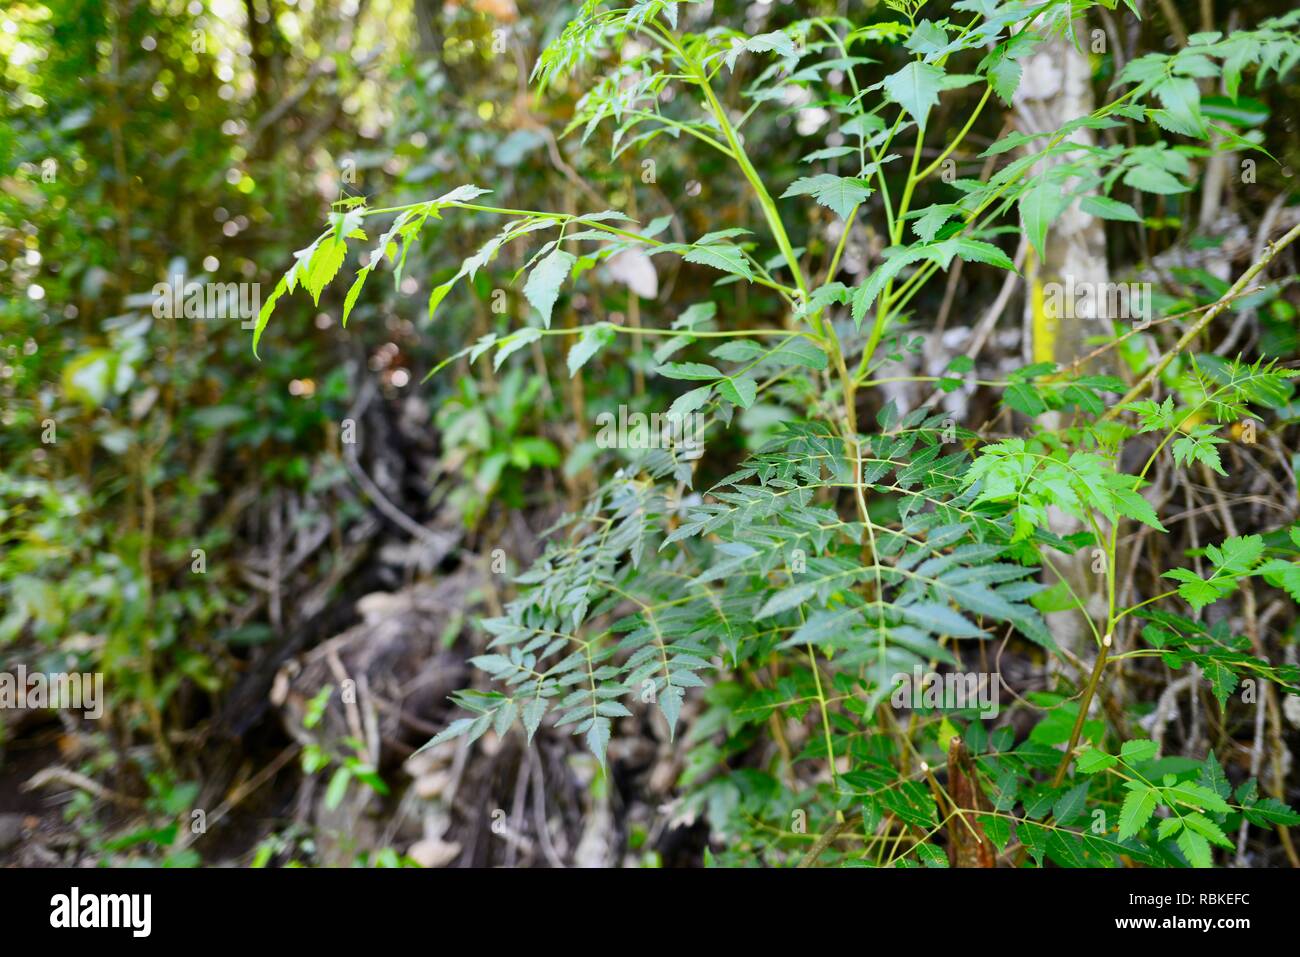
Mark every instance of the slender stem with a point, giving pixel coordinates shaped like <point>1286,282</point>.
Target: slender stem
<point>979,108</point>
<point>826,722</point>
<point>839,247</point>
<point>1084,703</point>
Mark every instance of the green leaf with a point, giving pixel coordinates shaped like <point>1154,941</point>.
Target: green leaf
<point>838,193</point>
<point>1070,804</point>
<point>997,829</point>
<point>927,38</point>
<point>777,42</point>
<point>1004,77</point>
<point>1181,98</point>
<point>1104,207</point>
<point>1151,179</point>
<point>1040,205</point>
<point>690,401</point>
<point>1023,397</point>
<point>598,738</point>
<point>1195,847</point>
<point>738,350</point>
<point>268,307</point>
<point>741,391</point>
<point>1138,751</point>
<point>973,250</point>
<point>1271,811</point>
<point>338,787</point>
<point>1132,505</point>
<point>916,89</point>
<point>513,344</point>
<point>721,256</point>
<point>1223,680</point>
<point>931,218</point>
<point>786,598</point>
<point>939,620</point>
<point>800,351</point>
<point>438,294</point>
<point>1197,796</point>
<point>1203,826</point>
<point>1199,448</point>
<point>594,338</point>
<point>532,715</point>
<point>670,703</point>
<point>1092,761</point>
<point>1212,776</point>
<point>543,285</point>
<point>325,264</point>
<point>687,370</point>
<point>353,293</point>
<point>1136,810</point>
<point>1237,555</point>
<point>1194,590</point>
<point>455,729</point>
<point>894,264</point>
<point>1240,112</point>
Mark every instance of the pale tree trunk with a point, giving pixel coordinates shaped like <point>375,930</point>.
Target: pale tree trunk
<point>1055,88</point>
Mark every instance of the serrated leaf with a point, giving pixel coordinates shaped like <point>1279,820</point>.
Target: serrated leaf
<point>1138,751</point>
<point>916,89</point>
<point>939,620</point>
<point>325,264</point>
<point>1104,207</point>
<point>721,256</point>
<point>1196,848</point>
<point>1212,777</point>
<point>800,351</point>
<point>1093,761</point>
<point>687,370</point>
<point>598,738</point>
<point>741,391</point>
<point>353,293</point>
<point>532,715</point>
<point>1071,804</point>
<point>1004,77</point>
<point>1203,826</point>
<point>1151,179</point>
<point>1138,806</point>
<point>838,193</point>
<point>670,703</point>
<point>1197,796</point>
<point>543,285</point>
<point>690,401</point>
<point>1040,205</point>
<point>1181,98</point>
<point>594,338</point>
<point>974,250</point>
<point>519,340</point>
<point>786,598</point>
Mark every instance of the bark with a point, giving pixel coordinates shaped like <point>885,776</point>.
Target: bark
<point>1057,87</point>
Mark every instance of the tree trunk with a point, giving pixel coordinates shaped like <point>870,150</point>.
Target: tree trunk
<point>1056,87</point>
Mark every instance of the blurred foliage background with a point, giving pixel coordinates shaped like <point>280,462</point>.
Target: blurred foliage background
<point>191,521</point>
